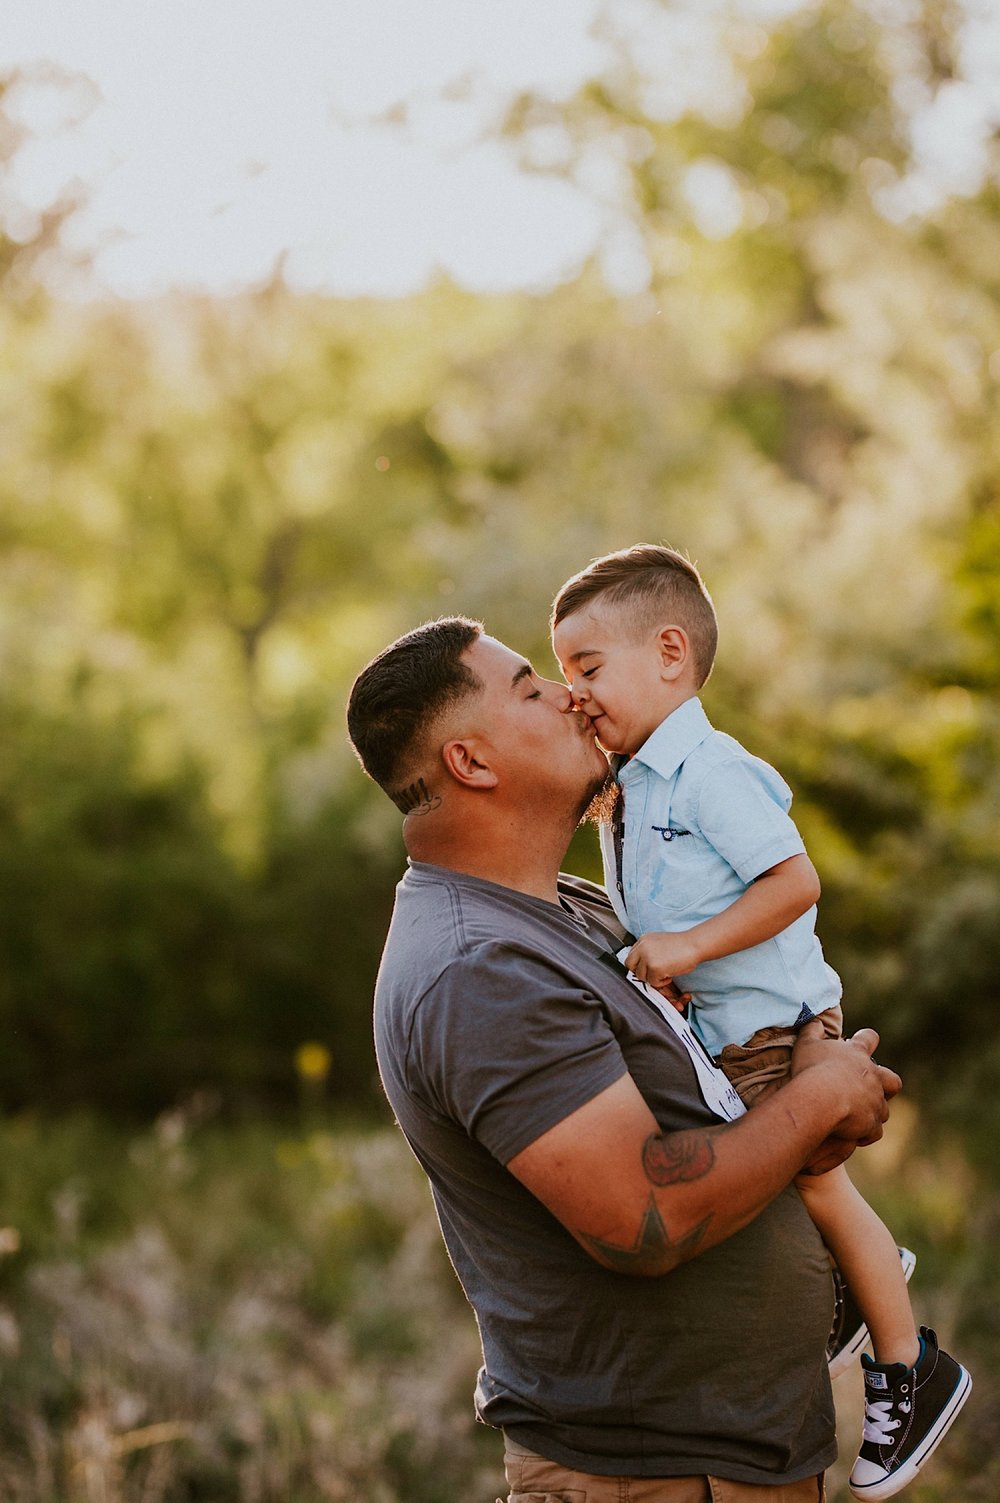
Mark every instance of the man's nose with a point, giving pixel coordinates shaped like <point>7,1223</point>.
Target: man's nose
<point>560,694</point>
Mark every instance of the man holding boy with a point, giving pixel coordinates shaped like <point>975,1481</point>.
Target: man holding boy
<point>704,864</point>
<point>652,1298</point>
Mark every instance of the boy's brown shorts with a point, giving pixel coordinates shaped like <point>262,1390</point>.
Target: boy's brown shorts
<point>758,1067</point>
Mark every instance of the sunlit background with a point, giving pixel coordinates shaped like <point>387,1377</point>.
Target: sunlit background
<point>319,320</point>
<point>352,144</point>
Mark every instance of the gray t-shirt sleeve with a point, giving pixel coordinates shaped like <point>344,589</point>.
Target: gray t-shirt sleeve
<point>507,1045</point>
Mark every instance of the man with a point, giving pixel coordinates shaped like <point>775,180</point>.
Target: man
<point>652,1298</point>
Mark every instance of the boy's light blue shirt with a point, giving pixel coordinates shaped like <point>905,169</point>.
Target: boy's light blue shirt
<point>704,819</point>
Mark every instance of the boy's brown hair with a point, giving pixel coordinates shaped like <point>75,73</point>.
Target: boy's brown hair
<point>650,582</point>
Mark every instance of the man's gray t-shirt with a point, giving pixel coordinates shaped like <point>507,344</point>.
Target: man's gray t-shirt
<point>495,1018</point>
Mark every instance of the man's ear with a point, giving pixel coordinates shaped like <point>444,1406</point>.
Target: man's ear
<point>675,651</point>
<point>466,762</point>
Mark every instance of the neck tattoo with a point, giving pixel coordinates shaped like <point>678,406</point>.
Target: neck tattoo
<point>416,799</point>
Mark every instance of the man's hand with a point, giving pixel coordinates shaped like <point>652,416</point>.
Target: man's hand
<point>658,958</point>
<point>868,1089</point>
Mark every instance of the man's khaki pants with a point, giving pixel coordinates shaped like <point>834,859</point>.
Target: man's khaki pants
<point>532,1479</point>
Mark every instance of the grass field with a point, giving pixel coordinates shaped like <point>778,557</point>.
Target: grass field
<point>258,1313</point>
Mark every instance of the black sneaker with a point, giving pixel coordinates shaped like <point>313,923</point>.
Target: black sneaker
<point>849,1333</point>
<point>908,1412</point>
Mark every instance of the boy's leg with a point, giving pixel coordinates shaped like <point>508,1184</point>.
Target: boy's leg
<point>868,1258</point>
<point>913,1391</point>
<point>849,1333</point>
<point>757,1069</point>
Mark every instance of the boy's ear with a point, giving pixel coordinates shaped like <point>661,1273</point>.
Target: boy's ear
<point>675,651</point>
<point>466,762</point>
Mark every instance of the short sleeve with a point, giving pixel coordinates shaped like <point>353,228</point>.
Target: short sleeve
<point>508,1046</point>
<point>743,808</point>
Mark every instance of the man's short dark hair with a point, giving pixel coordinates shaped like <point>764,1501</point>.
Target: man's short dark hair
<point>397,697</point>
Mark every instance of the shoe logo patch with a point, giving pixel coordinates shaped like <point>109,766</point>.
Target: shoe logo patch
<point>877,1380</point>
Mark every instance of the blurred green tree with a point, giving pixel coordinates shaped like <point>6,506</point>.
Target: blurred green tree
<point>783,359</point>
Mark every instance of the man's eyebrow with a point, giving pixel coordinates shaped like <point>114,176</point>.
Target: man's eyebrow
<point>525,671</point>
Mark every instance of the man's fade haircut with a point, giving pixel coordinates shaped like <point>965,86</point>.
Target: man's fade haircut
<point>395,699</point>
<point>650,582</point>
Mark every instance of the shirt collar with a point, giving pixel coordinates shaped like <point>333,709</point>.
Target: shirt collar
<point>673,740</point>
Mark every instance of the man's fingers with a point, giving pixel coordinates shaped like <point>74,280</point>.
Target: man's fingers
<point>866,1038</point>
<point>832,1152</point>
<point>890,1082</point>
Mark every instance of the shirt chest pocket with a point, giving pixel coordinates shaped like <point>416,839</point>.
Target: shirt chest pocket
<point>679,872</point>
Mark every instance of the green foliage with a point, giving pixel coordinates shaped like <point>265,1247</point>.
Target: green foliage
<point>140,962</point>
<point>212,514</point>
<point>320,911</point>
<point>118,906</point>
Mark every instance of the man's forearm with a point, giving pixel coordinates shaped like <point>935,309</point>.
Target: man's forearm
<point>641,1201</point>
<point>705,1184</point>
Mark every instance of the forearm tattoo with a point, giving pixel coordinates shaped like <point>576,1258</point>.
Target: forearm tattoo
<point>417,799</point>
<point>676,1159</point>
<point>653,1250</point>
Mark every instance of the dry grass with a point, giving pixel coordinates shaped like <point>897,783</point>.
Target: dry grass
<point>248,1315</point>
<point>256,1318</point>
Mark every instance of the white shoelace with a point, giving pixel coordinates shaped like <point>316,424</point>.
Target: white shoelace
<point>878,1423</point>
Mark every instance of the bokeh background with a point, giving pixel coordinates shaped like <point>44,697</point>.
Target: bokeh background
<point>319,321</point>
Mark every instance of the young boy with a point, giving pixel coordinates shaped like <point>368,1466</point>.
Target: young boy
<point>703,862</point>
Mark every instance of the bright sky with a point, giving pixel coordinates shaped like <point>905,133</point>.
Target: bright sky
<point>219,135</point>
<point>230,131</point>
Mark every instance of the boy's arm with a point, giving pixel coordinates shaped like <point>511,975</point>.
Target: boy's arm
<point>776,899</point>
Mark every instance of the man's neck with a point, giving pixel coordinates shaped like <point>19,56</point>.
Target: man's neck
<point>515,859</point>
